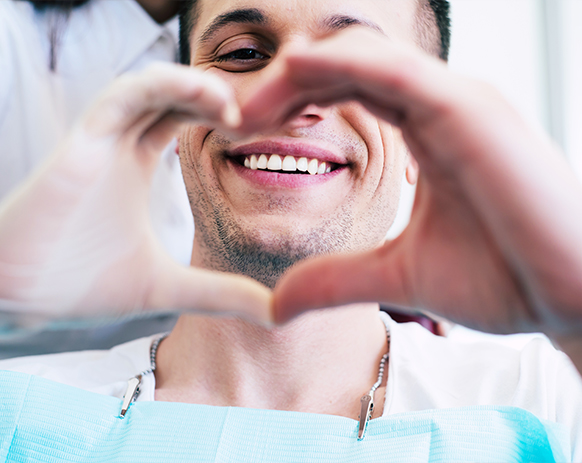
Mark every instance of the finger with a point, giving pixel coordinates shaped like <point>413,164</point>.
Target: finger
<point>162,131</point>
<point>395,75</point>
<point>135,100</point>
<point>330,281</point>
<point>192,289</point>
<point>389,77</point>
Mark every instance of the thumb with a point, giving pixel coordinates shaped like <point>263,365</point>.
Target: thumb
<point>330,281</point>
<point>194,289</point>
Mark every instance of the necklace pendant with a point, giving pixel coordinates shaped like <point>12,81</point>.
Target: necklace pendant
<point>366,410</point>
<point>130,394</point>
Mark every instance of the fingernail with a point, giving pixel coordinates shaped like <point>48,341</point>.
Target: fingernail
<point>231,115</point>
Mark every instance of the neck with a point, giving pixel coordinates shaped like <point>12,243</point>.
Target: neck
<point>160,10</point>
<point>322,362</point>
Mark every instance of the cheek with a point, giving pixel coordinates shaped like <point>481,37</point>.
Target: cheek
<point>396,160</point>
<point>387,169</point>
<point>386,155</point>
<point>192,160</point>
<point>395,150</point>
<point>201,158</point>
<point>379,175</point>
<point>190,146</point>
<point>197,178</point>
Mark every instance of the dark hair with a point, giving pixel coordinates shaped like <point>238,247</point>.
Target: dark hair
<point>66,5</point>
<point>439,12</point>
<point>188,16</point>
<point>442,14</point>
<point>63,8</point>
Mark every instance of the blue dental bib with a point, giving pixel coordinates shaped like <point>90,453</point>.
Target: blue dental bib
<point>44,421</point>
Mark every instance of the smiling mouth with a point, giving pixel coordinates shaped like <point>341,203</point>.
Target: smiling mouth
<point>286,164</point>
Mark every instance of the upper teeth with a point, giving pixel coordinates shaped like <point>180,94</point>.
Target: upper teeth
<point>287,163</point>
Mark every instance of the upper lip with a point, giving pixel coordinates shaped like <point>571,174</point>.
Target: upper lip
<point>289,148</point>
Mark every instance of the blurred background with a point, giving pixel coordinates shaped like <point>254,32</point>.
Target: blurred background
<point>531,50</point>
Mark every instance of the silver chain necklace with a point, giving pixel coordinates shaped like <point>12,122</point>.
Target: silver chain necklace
<point>366,402</point>
<point>132,391</point>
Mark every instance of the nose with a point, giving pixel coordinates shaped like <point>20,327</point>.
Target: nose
<point>308,117</point>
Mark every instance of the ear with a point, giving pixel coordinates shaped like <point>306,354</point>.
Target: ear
<point>412,171</point>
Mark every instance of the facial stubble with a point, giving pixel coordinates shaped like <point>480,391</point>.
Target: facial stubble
<point>225,243</point>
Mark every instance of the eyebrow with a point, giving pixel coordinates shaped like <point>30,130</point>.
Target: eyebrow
<point>256,17</point>
<point>240,16</point>
<point>338,22</point>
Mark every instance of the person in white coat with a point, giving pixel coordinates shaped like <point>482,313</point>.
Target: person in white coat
<point>56,57</point>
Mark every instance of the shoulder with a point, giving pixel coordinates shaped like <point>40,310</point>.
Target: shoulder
<point>101,371</point>
<point>526,372</point>
<point>122,34</point>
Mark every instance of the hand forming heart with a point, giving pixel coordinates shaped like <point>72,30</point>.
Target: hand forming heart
<point>76,239</point>
<point>494,238</point>
<point>493,241</point>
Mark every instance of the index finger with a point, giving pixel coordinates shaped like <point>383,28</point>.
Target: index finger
<point>160,90</point>
<point>395,81</point>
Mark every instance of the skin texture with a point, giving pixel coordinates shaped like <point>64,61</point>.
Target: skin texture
<point>478,250</point>
<point>493,241</point>
<point>246,228</point>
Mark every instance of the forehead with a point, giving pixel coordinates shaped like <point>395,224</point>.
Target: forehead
<point>395,18</point>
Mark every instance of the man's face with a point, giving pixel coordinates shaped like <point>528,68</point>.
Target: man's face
<point>345,166</point>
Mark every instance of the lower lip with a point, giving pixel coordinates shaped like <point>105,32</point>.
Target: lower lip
<point>269,178</point>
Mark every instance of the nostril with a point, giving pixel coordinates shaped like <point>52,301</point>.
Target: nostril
<point>308,117</point>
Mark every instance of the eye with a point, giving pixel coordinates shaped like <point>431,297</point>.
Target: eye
<point>244,54</point>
